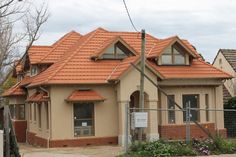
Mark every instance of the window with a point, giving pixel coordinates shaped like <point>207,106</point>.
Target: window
<point>194,103</point>
<point>12,111</point>
<point>17,111</point>
<point>83,119</point>
<point>171,105</point>
<point>117,51</point>
<point>35,105</point>
<point>207,107</point>
<point>30,111</point>
<point>220,63</point>
<point>33,70</point>
<point>47,115</point>
<point>39,111</point>
<point>175,55</point>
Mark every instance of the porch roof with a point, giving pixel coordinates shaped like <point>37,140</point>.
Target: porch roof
<point>84,95</point>
<point>14,91</point>
<point>38,97</point>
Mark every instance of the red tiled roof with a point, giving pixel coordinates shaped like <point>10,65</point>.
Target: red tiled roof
<point>61,47</point>
<point>122,67</point>
<point>84,95</point>
<point>14,91</point>
<point>38,52</point>
<point>38,97</point>
<point>73,64</point>
<point>51,54</point>
<point>161,44</point>
<point>197,69</point>
<point>26,80</point>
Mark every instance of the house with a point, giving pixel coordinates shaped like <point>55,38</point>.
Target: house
<point>226,61</point>
<point>74,91</point>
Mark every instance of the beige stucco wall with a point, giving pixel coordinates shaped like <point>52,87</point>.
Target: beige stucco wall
<point>105,113</point>
<point>225,66</point>
<point>16,100</point>
<point>215,102</point>
<point>129,83</point>
<point>33,125</point>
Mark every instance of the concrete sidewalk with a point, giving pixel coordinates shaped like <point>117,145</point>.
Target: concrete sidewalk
<point>91,151</point>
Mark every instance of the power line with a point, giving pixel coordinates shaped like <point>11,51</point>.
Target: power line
<point>130,19</point>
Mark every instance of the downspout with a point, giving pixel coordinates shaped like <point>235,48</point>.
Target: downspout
<point>49,118</point>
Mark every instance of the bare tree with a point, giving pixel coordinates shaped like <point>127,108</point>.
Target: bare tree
<point>33,17</point>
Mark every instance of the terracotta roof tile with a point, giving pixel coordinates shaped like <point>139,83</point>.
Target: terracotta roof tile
<point>85,95</point>
<point>198,69</point>
<point>14,91</point>
<point>73,64</point>
<point>122,67</point>
<point>38,97</point>
<point>36,53</point>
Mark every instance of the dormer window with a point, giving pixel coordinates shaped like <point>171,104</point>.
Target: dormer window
<point>114,48</point>
<point>117,51</point>
<point>33,70</point>
<point>174,55</point>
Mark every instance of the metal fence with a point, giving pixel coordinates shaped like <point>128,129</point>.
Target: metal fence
<point>182,124</point>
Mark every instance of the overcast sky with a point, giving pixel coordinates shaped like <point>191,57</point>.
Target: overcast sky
<point>208,24</point>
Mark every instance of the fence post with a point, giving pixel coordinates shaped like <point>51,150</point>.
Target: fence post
<point>188,122</point>
<point>126,128</point>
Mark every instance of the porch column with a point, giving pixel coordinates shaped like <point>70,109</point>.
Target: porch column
<point>122,123</point>
<point>152,134</point>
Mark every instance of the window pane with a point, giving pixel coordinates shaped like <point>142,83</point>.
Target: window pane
<point>207,107</point>
<point>171,105</point>
<point>21,112</point>
<point>194,100</point>
<point>179,59</point>
<point>83,119</point>
<point>166,59</point>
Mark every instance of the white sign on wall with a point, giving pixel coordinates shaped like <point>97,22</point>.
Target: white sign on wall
<point>139,120</point>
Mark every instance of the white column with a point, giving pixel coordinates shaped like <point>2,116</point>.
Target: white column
<point>122,123</point>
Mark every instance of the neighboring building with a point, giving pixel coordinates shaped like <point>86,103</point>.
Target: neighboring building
<point>226,61</point>
<point>74,92</point>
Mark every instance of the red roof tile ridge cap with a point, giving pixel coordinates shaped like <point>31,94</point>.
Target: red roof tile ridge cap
<point>153,46</point>
<point>58,43</point>
<point>105,44</point>
<point>171,37</point>
<point>136,61</point>
<point>162,40</point>
<point>49,46</point>
<point>70,56</point>
<point>112,72</point>
<point>214,68</point>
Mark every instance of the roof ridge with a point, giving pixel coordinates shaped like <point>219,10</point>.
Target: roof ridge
<point>72,54</point>
<point>66,36</point>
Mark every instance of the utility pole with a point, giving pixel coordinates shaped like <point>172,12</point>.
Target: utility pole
<point>141,96</point>
<point>6,130</point>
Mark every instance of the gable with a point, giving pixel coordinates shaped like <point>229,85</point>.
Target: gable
<point>114,48</point>
<point>174,54</point>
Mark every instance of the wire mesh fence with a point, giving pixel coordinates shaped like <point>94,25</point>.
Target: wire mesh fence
<point>184,124</point>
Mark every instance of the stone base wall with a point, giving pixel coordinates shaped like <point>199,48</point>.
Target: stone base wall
<point>174,132</point>
<point>38,141</point>
<point>20,127</point>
